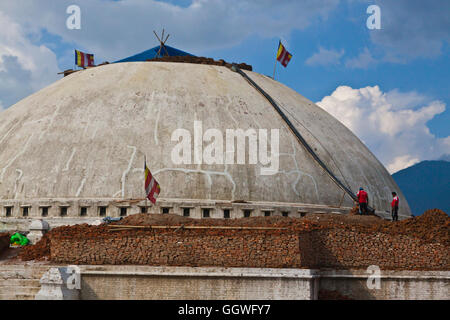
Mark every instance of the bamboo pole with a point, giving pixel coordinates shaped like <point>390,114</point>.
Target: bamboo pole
<point>146,195</point>
<point>129,200</point>
<point>342,199</point>
<point>124,227</point>
<point>274,69</point>
<point>276,60</point>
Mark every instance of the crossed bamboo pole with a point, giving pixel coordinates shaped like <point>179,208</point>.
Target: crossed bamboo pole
<point>119,227</point>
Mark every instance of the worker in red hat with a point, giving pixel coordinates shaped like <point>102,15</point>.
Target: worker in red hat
<point>363,199</point>
<point>394,206</point>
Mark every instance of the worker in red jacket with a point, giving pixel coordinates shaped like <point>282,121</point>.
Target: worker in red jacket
<point>394,206</point>
<point>363,199</point>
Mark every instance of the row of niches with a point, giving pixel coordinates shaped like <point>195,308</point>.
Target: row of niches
<point>95,211</point>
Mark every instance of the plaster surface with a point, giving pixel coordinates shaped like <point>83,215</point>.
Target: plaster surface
<point>85,137</point>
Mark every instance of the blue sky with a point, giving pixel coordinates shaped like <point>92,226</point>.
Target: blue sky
<point>346,29</point>
<point>389,86</point>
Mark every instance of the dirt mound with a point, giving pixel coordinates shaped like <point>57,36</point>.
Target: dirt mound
<point>5,235</point>
<point>39,251</point>
<point>4,241</point>
<point>432,226</point>
<point>201,60</point>
<point>354,211</point>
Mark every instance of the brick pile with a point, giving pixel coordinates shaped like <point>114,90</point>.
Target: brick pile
<point>314,241</point>
<point>201,60</point>
<point>181,59</point>
<point>39,251</point>
<point>419,243</point>
<point>431,226</point>
<point>354,211</point>
<point>338,249</point>
<point>221,248</point>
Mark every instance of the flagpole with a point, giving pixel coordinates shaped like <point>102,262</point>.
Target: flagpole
<point>274,69</point>
<point>145,165</point>
<point>276,60</point>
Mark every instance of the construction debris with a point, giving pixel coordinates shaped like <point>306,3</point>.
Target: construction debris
<point>201,60</point>
<point>183,59</point>
<point>354,211</point>
<point>109,219</point>
<point>39,251</point>
<point>70,71</point>
<point>314,241</point>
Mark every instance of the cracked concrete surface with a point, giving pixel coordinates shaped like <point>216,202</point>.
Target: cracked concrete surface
<point>85,136</point>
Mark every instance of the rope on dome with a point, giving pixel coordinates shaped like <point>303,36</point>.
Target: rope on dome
<point>297,134</point>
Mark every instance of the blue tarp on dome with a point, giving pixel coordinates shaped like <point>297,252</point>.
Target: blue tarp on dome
<point>152,53</point>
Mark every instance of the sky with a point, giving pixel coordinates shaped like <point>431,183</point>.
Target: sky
<point>390,86</point>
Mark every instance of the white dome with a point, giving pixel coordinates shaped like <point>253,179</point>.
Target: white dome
<point>85,136</point>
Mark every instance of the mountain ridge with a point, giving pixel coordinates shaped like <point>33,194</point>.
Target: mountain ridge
<point>426,185</point>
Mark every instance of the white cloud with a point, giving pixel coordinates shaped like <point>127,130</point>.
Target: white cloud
<point>446,141</point>
<point>115,29</point>
<point>363,61</point>
<point>412,28</point>
<point>406,100</point>
<point>325,57</point>
<point>24,66</point>
<point>401,162</point>
<point>393,125</point>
